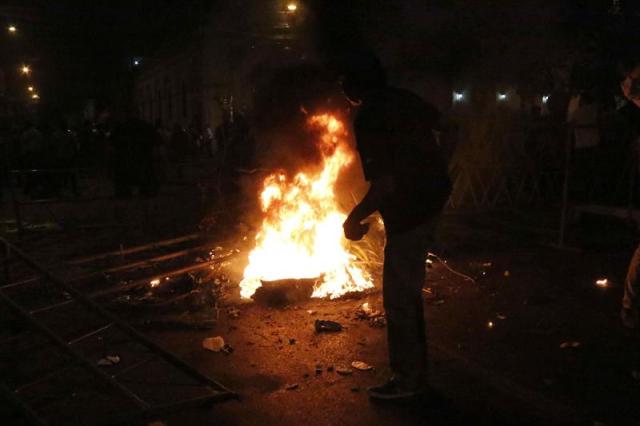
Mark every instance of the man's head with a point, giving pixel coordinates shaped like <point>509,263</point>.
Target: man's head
<point>362,73</point>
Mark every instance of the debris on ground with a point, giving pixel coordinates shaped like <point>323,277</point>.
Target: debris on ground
<point>311,312</point>
<point>378,322</point>
<point>233,313</point>
<point>570,345</point>
<point>324,326</point>
<point>366,312</point>
<point>318,369</point>
<point>430,293</point>
<point>214,344</point>
<point>292,386</point>
<point>362,366</point>
<point>344,371</point>
<point>375,317</point>
<point>109,360</point>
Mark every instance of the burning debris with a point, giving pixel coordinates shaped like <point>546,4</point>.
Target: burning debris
<point>301,233</point>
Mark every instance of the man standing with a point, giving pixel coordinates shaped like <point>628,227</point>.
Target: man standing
<point>409,185</point>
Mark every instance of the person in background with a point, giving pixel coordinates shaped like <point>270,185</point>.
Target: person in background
<point>133,140</point>
<point>630,111</point>
<point>409,185</point>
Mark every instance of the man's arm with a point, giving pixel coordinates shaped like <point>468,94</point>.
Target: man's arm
<point>379,190</point>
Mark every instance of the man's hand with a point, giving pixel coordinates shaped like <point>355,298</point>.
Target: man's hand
<point>354,230</point>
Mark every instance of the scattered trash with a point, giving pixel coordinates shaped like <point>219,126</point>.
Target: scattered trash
<point>344,371</point>
<point>570,345</point>
<point>375,317</point>
<point>366,312</point>
<point>233,313</point>
<point>109,360</point>
<point>429,293</point>
<point>292,386</point>
<point>378,322</point>
<point>362,366</point>
<point>507,274</point>
<point>214,344</point>
<point>327,326</point>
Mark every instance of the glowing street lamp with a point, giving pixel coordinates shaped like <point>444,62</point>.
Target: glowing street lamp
<point>545,99</point>
<point>502,96</point>
<point>458,96</point>
<point>30,88</point>
<point>35,96</point>
<point>12,29</point>
<point>292,7</point>
<point>25,70</point>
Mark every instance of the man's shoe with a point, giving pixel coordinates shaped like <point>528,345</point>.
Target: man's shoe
<point>391,390</point>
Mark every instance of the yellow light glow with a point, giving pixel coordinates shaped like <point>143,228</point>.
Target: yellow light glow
<point>30,88</point>
<point>292,7</point>
<point>154,283</point>
<point>602,283</point>
<point>35,96</point>
<point>25,69</point>
<point>12,28</point>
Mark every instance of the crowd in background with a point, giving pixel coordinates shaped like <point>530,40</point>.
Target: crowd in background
<point>136,155</point>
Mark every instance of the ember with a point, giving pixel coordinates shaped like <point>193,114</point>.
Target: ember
<point>301,234</point>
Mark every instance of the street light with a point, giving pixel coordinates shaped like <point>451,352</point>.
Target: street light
<point>292,7</point>
<point>35,96</point>
<point>25,70</point>
<point>30,88</point>
<point>12,29</point>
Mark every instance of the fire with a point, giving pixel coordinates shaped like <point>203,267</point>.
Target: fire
<point>301,234</point>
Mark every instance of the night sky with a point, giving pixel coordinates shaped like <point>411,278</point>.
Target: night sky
<point>83,49</point>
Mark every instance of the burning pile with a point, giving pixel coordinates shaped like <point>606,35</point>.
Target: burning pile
<point>301,234</point>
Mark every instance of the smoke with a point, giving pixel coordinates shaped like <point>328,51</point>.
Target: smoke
<point>281,106</point>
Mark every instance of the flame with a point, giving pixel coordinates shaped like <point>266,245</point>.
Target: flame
<point>301,234</point>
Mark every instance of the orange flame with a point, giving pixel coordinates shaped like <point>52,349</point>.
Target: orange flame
<point>301,234</point>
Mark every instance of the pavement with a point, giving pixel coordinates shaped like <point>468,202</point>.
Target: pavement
<point>531,341</point>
